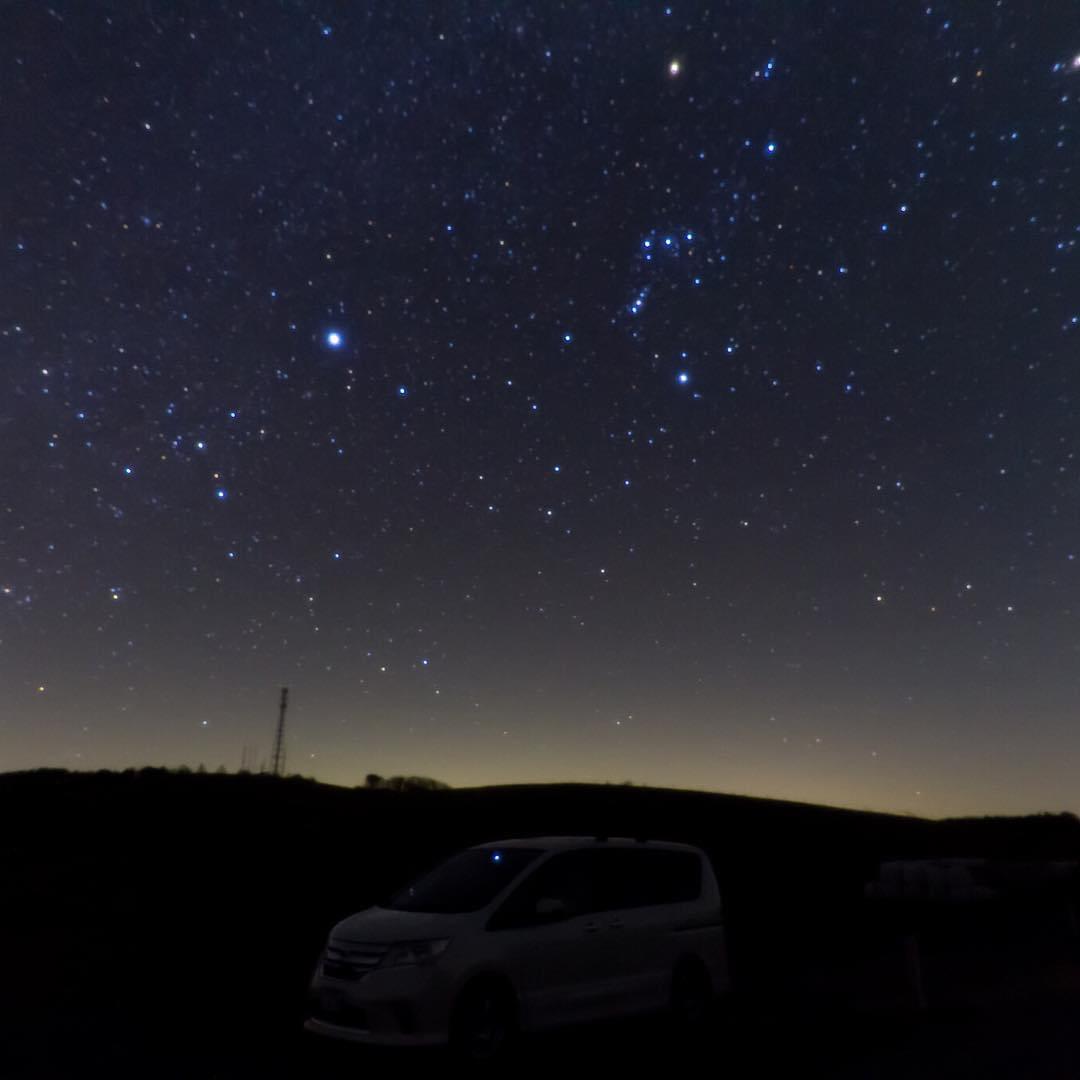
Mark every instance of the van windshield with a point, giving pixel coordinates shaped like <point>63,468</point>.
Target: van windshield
<point>467,882</point>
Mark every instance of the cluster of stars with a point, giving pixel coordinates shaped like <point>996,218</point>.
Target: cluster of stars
<point>495,331</point>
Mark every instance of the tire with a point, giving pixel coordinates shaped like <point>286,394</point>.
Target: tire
<point>691,995</point>
<point>484,1026</point>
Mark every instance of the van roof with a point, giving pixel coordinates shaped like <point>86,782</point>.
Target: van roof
<point>567,843</point>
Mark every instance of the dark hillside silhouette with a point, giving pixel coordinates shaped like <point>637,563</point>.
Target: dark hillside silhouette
<point>141,904</point>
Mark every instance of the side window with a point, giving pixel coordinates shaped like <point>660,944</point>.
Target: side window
<point>603,879</point>
<point>622,879</point>
<point>640,877</point>
<point>571,876</point>
<point>676,874</point>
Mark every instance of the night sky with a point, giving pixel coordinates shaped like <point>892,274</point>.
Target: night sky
<point>680,393</point>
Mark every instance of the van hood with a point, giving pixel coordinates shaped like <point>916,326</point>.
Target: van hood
<point>378,924</point>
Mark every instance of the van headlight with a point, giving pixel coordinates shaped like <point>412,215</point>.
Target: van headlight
<point>415,952</point>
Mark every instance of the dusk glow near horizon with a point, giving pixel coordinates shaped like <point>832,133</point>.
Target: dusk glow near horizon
<point>631,392</point>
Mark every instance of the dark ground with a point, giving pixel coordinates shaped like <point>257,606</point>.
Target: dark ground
<point>164,925</point>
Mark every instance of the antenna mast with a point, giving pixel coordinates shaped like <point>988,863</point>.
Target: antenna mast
<point>277,766</point>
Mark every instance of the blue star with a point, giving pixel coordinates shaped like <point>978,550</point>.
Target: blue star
<point>568,337</point>
<point>221,494</point>
<point>402,391</point>
<point>334,339</point>
<point>770,148</point>
<point>683,378</point>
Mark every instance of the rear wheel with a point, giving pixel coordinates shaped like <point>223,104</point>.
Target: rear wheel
<point>691,994</point>
<point>483,1025</point>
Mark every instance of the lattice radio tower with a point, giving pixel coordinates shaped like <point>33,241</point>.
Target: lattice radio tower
<point>277,765</point>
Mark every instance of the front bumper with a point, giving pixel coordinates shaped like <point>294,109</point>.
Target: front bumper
<point>372,1037</point>
<point>385,1008</point>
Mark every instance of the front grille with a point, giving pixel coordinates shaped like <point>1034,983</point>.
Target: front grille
<point>351,960</point>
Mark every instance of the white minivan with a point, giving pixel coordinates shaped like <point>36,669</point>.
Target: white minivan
<point>522,935</point>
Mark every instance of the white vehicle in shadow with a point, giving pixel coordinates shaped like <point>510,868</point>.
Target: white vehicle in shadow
<point>524,935</point>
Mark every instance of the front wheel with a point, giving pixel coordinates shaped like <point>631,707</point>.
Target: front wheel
<point>483,1025</point>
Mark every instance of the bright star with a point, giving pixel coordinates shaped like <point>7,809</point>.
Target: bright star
<point>335,339</point>
<point>221,494</point>
<point>683,378</point>
<point>674,69</point>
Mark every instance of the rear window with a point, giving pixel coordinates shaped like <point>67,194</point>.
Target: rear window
<point>466,882</point>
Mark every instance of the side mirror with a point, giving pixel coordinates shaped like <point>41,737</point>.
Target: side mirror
<point>550,909</point>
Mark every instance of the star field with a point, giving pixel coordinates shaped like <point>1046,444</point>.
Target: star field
<point>542,391</point>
